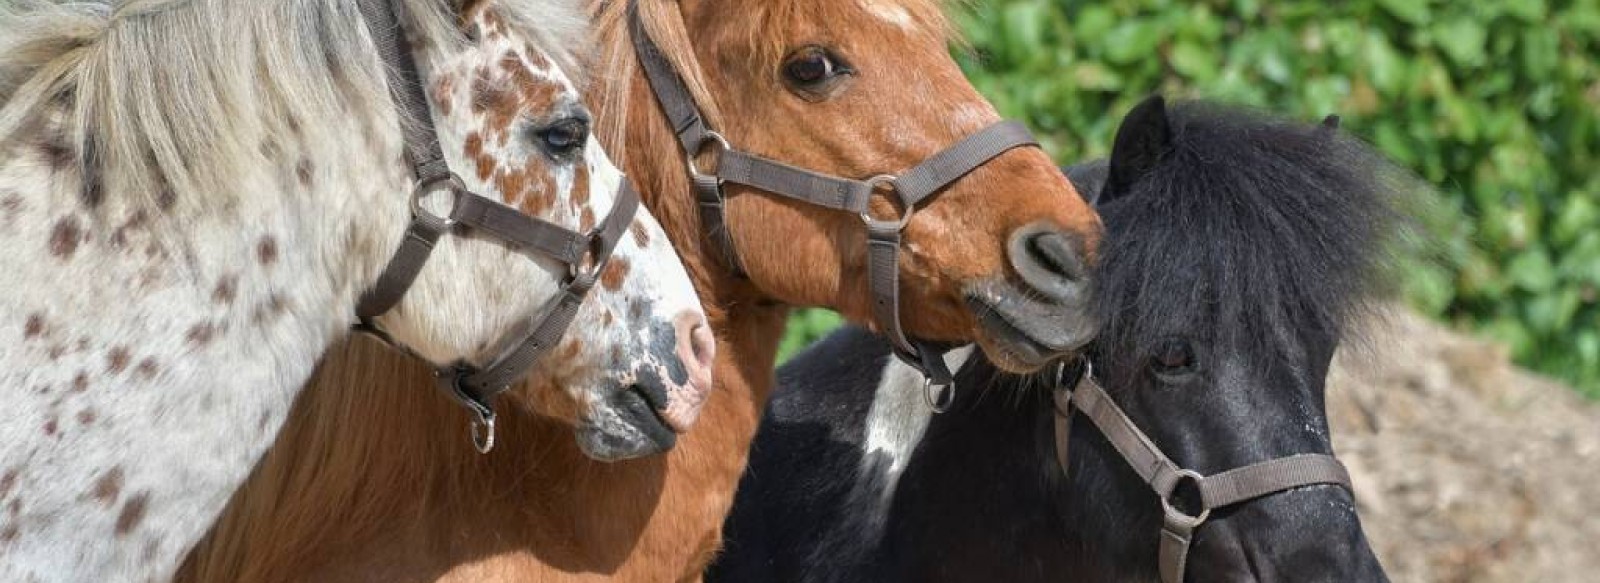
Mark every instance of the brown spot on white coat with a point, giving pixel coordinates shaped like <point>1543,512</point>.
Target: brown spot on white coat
<point>148,368</point>
<point>616,270</point>
<point>201,334</point>
<point>227,289</point>
<point>641,235</point>
<point>108,487</point>
<point>267,250</point>
<point>117,360</point>
<point>65,237</point>
<point>132,513</point>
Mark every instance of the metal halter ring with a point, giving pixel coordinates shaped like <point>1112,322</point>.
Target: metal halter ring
<point>482,422</point>
<point>1173,515</point>
<point>483,432</point>
<point>710,138</point>
<point>449,182</point>
<point>887,180</point>
<point>932,392</point>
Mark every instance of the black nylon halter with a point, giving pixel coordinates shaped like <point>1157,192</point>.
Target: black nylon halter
<point>884,237</point>
<point>584,254</point>
<point>1234,486</point>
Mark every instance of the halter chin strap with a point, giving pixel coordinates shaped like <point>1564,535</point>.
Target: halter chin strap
<point>884,237</point>
<point>1216,491</point>
<point>584,254</point>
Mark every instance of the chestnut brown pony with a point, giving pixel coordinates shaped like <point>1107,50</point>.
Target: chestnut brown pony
<point>850,88</point>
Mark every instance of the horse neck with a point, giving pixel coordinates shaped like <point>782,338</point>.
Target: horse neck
<point>157,329</point>
<point>392,455</point>
<point>747,321</point>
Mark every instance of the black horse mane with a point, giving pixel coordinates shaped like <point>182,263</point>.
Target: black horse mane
<point>1258,226</point>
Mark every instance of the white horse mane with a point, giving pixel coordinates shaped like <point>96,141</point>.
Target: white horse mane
<point>174,284</point>
<point>181,94</point>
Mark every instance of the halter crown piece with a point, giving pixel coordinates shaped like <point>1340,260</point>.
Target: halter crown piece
<point>1231,487</point>
<point>584,254</point>
<point>844,194</point>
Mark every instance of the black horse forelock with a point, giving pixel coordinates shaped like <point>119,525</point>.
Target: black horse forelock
<point>1250,223</point>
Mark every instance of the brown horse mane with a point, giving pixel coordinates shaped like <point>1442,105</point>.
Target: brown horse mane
<point>369,437</point>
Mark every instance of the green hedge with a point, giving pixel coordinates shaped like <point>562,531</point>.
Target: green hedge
<point>1493,101</point>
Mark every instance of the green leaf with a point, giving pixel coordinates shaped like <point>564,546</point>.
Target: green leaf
<point>1193,61</point>
<point>1532,271</point>
<point>1579,215</point>
<point>1132,40</point>
<point>1093,23</point>
<point>1531,11</point>
<point>1462,40</point>
<point>1410,11</point>
<point>1384,66</point>
<point>1095,76</point>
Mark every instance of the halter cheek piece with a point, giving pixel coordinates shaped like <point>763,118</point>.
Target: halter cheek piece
<point>1234,486</point>
<point>584,254</point>
<point>843,194</point>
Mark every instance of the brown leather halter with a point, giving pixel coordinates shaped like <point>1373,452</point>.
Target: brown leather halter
<point>584,254</point>
<point>844,194</point>
<point>1231,487</point>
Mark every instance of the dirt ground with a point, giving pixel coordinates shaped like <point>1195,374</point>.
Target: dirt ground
<point>1466,468</point>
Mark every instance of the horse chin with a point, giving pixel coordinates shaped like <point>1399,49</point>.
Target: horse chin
<point>1021,333</point>
<point>624,428</point>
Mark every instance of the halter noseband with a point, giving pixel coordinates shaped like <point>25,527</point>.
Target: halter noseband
<point>844,194</point>
<point>584,254</point>
<point>1216,491</point>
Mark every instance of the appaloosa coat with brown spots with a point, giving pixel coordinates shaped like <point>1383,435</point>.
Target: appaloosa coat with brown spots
<point>193,195</point>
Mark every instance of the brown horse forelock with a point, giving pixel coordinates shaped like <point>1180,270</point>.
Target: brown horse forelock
<point>364,488</point>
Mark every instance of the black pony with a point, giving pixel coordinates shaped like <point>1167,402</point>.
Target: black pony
<point>1239,251</point>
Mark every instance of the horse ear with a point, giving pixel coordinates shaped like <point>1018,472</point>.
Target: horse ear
<point>1088,178</point>
<point>1142,140</point>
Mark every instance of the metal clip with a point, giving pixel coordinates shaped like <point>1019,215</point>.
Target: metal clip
<point>483,432</point>
<point>450,379</point>
<point>932,393</point>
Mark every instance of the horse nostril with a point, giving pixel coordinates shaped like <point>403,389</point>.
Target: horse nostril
<point>696,350</point>
<point>1055,253</point>
<point>696,346</point>
<point>1050,260</point>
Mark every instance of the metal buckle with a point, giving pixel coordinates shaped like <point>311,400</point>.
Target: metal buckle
<point>1178,517</point>
<point>710,137</point>
<point>449,182</point>
<point>1061,390</point>
<point>887,181</point>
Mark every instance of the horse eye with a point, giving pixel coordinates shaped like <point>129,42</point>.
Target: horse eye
<point>564,137</point>
<point>1172,358</point>
<point>813,68</point>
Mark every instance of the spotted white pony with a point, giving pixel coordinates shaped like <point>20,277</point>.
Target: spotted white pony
<point>195,193</point>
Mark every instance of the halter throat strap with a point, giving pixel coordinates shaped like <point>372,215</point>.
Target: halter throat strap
<point>884,237</point>
<point>584,254</point>
<point>1227,488</point>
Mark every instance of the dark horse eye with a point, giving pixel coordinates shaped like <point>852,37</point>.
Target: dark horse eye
<point>1172,358</point>
<point>813,69</point>
<point>564,137</point>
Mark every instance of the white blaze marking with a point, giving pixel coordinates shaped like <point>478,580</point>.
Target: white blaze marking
<point>888,12</point>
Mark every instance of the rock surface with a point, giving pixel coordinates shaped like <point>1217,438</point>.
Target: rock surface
<point>1466,468</point>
